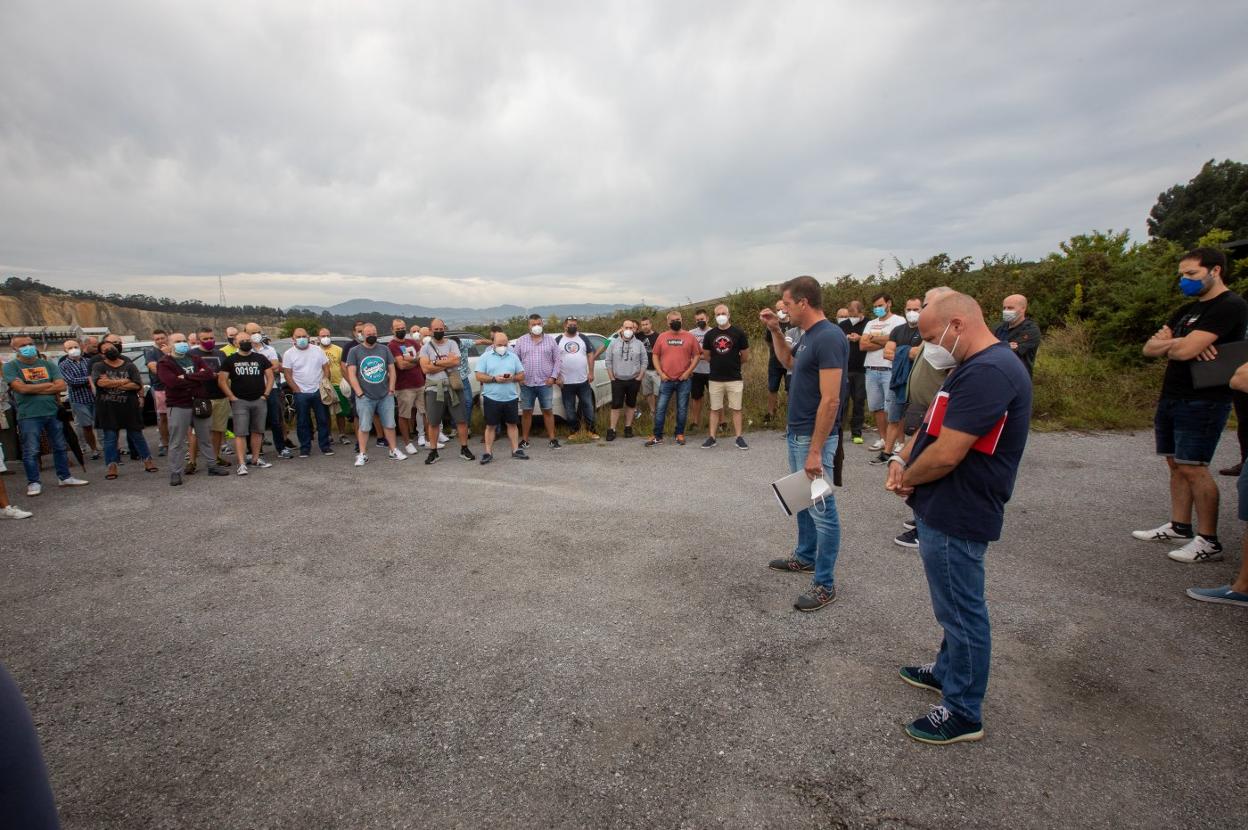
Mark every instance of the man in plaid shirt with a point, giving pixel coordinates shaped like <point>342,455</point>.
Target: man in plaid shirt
<point>76,370</point>
<point>540,355</point>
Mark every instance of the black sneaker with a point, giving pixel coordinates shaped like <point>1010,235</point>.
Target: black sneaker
<point>940,727</point>
<point>382,442</point>
<point>303,454</point>
<point>655,441</point>
<point>466,454</point>
<point>432,457</point>
<point>628,432</point>
<point>792,565</point>
<point>767,420</point>
<point>909,539</point>
<point>610,435</point>
<point>709,443</point>
<point>555,445</point>
<point>814,599</point>
<point>909,524</point>
<point>882,458</point>
<point>524,445</point>
<point>741,445</point>
<point>920,677</point>
<point>521,455</point>
<point>214,470</point>
<point>175,479</point>
<point>486,458</point>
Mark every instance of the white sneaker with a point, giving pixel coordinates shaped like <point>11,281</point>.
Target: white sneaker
<point>410,449</point>
<point>34,488</point>
<point>878,446</point>
<point>1199,549</point>
<point>343,439</point>
<point>261,463</point>
<point>361,460</point>
<point>442,439</point>
<point>242,469</point>
<point>1165,533</point>
<point>72,482</point>
<point>898,447</point>
<point>421,442</point>
<point>14,512</point>
<point>397,455</point>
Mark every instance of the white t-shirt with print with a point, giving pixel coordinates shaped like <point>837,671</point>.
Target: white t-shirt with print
<point>881,329</point>
<point>572,352</point>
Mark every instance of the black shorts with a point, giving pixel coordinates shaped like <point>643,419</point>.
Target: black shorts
<point>624,393</point>
<point>498,413</point>
<point>774,375</point>
<point>698,388</point>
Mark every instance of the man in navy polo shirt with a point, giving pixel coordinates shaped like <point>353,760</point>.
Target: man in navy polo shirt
<point>957,473</point>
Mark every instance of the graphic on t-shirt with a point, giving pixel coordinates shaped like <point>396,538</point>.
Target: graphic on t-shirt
<point>723,344</point>
<point>373,369</point>
<point>34,374</point>
<point>571,346</point>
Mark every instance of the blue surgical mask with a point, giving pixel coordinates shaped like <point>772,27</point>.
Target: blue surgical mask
<point>1190,287</point>
<point>301,342</point>
<point>181,348</point>
<point>880,311</point>
<point>28,351</point>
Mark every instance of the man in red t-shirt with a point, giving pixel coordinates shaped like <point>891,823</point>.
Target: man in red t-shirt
<point>409,382</point>
<point>676,354</point>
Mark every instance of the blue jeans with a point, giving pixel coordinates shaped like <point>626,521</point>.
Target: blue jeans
<point>818,529</point>
<point>666,388</point>
<point>955,578</point>
<point>303,402</point>
<point>31,429</point>
<point>578,405</point>
<point>138,445</point>
<point>877,388</point>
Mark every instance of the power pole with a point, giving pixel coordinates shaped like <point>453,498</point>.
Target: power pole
<point>220,291</point>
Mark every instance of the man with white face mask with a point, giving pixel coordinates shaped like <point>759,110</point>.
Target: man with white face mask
<point>1018,331</point>
<point>540,355</point>
<point>499,370</point>
<point>894,404</point>
<point>856,404</point>
<point>626,364</point>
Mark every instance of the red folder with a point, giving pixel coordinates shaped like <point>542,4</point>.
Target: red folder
<point>987,443</point>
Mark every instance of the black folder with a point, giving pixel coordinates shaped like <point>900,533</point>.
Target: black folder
<point>1217,372</point>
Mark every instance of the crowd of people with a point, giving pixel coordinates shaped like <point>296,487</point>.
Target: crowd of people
<point>950,398</point>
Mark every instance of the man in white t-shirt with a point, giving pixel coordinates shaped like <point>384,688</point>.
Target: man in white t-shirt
<point>576,378</point>
<point>304,368</point>
<point>878,368</point>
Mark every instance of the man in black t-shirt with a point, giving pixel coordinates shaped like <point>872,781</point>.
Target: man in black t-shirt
<point>650,381</point>
<point>727,348</point>
<point>246,378</point>
<point>853,327</point>
<point>1189,421</point>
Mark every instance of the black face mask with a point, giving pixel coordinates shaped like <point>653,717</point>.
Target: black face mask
<point>675,324</point>
<point>572,330</point>
<point>400,333</point>
<point>371,340</point>
<point>111,354</point>
<point>245,346</point>
<point>701,324</point>
<point>438,334</point>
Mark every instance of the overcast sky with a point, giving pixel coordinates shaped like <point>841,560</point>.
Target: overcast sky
<point>476,153</point>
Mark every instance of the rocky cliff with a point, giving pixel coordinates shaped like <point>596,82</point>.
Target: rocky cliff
<point>34,309</point>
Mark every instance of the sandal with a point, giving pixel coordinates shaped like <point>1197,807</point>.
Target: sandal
<point>112,471</point>
<point>149,466</point>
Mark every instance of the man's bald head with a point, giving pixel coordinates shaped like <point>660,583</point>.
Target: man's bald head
<point>956,322</point>
<point>1014,308</point>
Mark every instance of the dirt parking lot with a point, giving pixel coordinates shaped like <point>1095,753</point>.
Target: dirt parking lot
<point>592,638</point>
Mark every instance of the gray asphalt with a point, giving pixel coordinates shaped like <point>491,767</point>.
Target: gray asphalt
<point>592,638</point>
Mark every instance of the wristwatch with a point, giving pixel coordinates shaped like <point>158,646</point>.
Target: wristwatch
<point>898,459</point>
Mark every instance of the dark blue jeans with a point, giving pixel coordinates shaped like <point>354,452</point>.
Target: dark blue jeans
<point>31,429</point>
<point>819,527</point>
<point>955,578</point>
<point>305,401</point>
<point>25,794</point>
<point>138,445</point>
<point>578,405</point>
<point>667,388</point>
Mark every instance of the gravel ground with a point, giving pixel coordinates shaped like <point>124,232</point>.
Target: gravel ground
<point>592,638</point>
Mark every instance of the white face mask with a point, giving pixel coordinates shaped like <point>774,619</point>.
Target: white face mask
<point>721,319</point>
<point>783,315</point>
<point>536,331</point>
<point>627,334</point>
<point>257,338</point>
<point>325,341</point>
<point>500,350</point>
<point>820,492</point>
<point>912,317</point>
<point>855,320</point>
<point>840,320</point>
<point>937,356</point>
<point>1009,316</point>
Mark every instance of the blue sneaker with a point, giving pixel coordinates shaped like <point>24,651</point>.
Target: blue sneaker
<point>1224,595</point>
<point>940,726</point>
<point>920,677</point>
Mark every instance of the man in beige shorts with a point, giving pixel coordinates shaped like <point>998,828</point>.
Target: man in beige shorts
<point>409,384</point>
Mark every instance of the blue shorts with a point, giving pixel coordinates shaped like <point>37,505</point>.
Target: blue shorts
<point>366,408</point>
<point>894,410</point>
<point>877,388</point>
<point>545,395</point>
<point>84,414</point>
<point>1189,431</point>
<point>775,374</point>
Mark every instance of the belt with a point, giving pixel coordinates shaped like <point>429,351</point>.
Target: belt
<point>879,369</point>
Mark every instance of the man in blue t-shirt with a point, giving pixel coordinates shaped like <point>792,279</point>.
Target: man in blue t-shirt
<point>957,473</point>
<point>819,365</point>
<point>499,370</point>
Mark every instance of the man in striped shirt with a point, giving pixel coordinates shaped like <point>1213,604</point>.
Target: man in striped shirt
<point>76,370</point>
<point>540,355</point>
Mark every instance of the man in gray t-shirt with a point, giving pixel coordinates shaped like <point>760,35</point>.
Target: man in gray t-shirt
<point>438,356</point>
<point>701,376</point>
<point>370,371</point>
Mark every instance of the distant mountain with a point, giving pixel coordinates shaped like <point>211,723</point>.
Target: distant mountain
<point>465,316</point>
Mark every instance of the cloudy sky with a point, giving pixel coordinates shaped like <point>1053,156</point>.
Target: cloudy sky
<point>483,152</point>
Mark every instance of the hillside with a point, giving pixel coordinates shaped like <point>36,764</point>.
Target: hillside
<point>30,308</point>
<point>458,316</point>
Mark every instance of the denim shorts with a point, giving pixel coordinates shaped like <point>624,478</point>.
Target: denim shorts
<point>84,414</point>
<point>877,388</point>
<point>894,410</point>
<point>1189,431</point>
<point>367,407</point>
<point>543,395</point>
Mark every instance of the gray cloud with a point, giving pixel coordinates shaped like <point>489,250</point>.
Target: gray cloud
<point>482,152</point>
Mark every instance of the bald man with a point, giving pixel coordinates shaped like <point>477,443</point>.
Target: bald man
<point>957,473</point>
<point>1018,331</point>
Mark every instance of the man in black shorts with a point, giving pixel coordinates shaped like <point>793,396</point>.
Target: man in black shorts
<point>626,363</point>
<point>701,377</point>
<point>776,371</point>
<point>499,370</point>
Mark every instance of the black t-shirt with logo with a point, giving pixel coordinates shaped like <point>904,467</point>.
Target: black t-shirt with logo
<point>906,335</point>
<point>649,339</point>
<point>725,346</point>
<point>213,359</point>
<point>1226,316</point>
<point>246,374</point>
